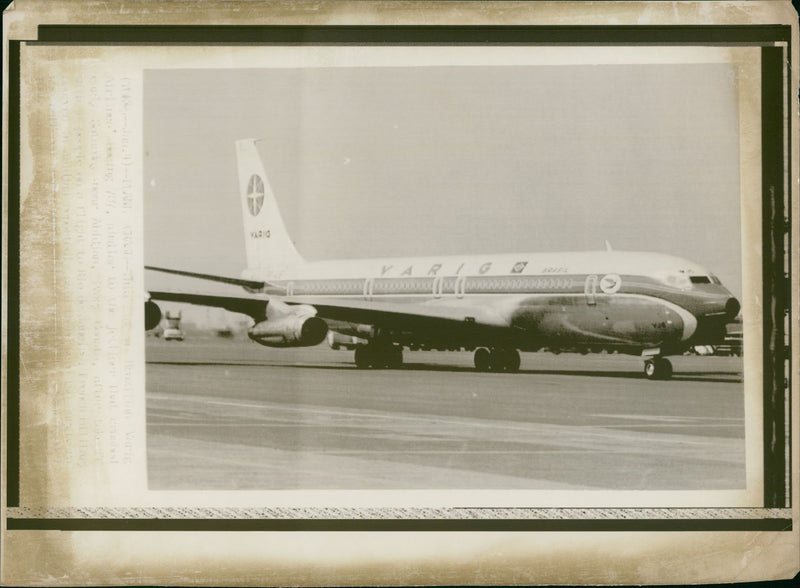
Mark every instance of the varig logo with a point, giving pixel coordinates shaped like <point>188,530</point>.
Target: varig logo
<point>518,267</point>
<point>611,283</point>
<point>255,194</point>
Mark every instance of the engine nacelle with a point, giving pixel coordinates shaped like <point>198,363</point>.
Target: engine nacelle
<point>290,331</point>
<point>152,315</point>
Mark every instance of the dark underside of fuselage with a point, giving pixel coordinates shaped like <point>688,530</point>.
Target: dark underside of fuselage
<point>557,323</point>
<point>559,313</point>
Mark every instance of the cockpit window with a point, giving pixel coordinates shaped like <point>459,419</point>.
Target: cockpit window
<point>675,279</point>
<point>715,279</point>
<point>700,279</point>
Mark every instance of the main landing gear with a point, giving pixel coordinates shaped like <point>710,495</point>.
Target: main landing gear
<point>658,368</point>
<point>496,360</point>
<point>379,356</point>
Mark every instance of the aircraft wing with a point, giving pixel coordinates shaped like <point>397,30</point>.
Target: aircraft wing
<point>253,306</point>
<point>253,285</point>
<point>401,316</point>
<point>431,316</point>
<point>393,315</point>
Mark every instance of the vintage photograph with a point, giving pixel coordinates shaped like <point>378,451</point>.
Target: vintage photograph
<point>399,293</point>
<point>444,277</point>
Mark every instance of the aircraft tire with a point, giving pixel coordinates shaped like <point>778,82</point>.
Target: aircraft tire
<point>666,368</point>
<point>396,357</point>
<point>363,357</point>
<point>658,368</point>
<point>513,361</point>
<point>368,356</point>
<point>482,359</point>
<point>381,358</point>
<point>497,360</point>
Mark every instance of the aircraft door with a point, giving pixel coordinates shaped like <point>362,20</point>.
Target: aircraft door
<point>368,285</point>
<point>590,289</point>
<point>438,284</point>
<point>460,286</point>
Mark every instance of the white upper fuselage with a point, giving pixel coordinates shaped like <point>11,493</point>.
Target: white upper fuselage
<point>653,265</point>
<point>626,298</point>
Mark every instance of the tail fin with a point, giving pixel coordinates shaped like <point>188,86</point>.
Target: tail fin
<point>270,251</point>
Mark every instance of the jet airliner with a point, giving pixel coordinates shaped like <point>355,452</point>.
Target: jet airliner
<point>647,304</point>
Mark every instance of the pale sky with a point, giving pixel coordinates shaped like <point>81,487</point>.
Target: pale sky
<point>402,161</point>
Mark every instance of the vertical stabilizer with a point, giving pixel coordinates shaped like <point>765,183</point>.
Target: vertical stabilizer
<point>270,251</point>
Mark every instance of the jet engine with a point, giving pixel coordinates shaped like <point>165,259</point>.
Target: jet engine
<point>152,315</point>
<point>289,326</point>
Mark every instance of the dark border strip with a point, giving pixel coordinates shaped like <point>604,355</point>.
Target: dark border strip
<point>774,291</point>
<point>789,303</point>
<point>12,300</point>
<point>410,35</point>
<point>413,34</point>
<point>771,524</point>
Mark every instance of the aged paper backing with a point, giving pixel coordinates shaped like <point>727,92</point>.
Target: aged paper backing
<point>82,348</point>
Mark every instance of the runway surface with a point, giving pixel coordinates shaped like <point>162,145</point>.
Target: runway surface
<point>230,414</point>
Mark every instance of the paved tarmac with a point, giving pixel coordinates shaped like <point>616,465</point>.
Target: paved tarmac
<point>230,414</point>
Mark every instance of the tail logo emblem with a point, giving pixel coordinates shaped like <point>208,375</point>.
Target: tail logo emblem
<point>255,194</point>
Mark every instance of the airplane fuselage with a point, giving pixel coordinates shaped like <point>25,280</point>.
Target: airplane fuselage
<point>625,301</point>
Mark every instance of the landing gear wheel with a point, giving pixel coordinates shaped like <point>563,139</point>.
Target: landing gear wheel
<point>666,369</point>
<point>497,360</point>
<point>363,357</point>
<point>503,360</point>
<point>380,358</point>
<point>513,361</point>
<point>658,368</point>
<point>482,359</point>
<point>396,357</point>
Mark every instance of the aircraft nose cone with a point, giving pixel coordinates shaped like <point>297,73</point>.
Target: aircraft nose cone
<point>732,307</point>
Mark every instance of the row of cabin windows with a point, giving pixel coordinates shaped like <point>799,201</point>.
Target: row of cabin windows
<point>475,284</point>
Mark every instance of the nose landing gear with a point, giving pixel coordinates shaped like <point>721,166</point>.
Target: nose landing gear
<point>496,360</point>
<point>658,368</point>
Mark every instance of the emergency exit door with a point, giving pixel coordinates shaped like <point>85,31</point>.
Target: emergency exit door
<point>590,289</point>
